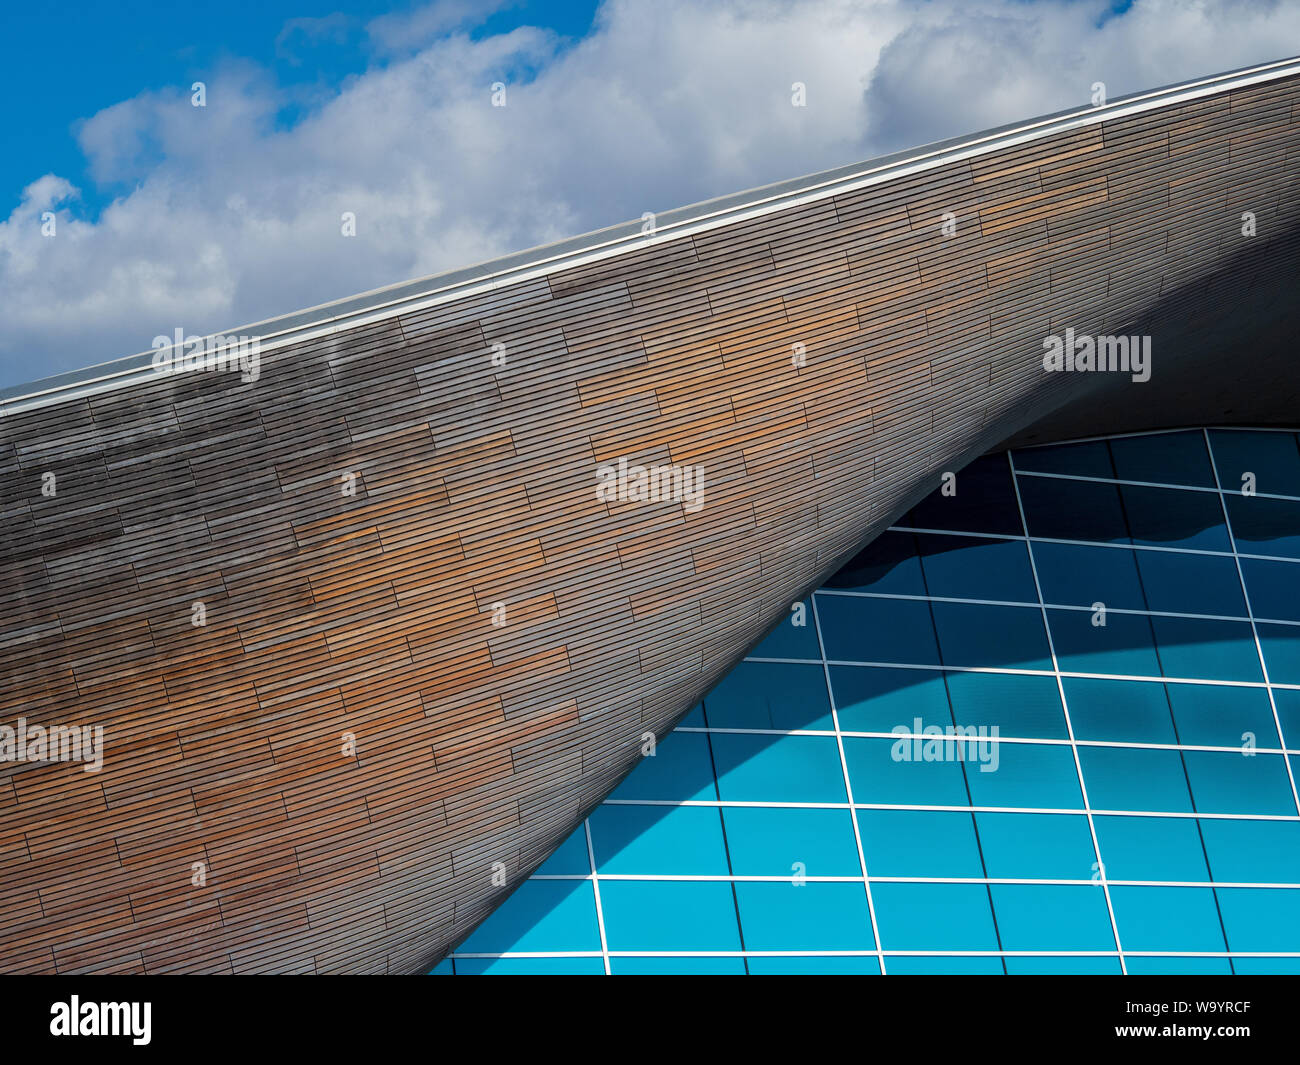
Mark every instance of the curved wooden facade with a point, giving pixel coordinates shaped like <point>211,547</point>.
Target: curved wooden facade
<point>478,746</point>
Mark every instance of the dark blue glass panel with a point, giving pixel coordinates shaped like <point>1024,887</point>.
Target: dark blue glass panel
<point>1164,458</point>
<point>934,917</point>
<point>1090,459</point>
<point>769,841</point>
<point>1196,647</point>
<point>1274,588</point>
<point>919,843</point>
<point>1271,456</point>
<point>1028,707</point>
<point>1281,646</point>
<point>680,769</point>
<point>812,916</point>
<point>641,840</point>
<point>1236,784</point>
<point>1151,848</point>
<point>862,629</point>
<point>1216,715</point>
<point>669,915</point>
<point>888,564</point>
<point>1052,917</point>
<point>991,636</point>
<point>1287,701</point>
<point>1181,583</point>
<point>1130,778</point>
<point>1030,775</point>
<point>1036,846</point>
<point>1123,646</point>
<point>985,502</point>
<point>876,699</point>
<point>1167,918</point>
<point>1170,517</point>
<point>964,567</point>
<point>1073,575</point>
<point>885,771</point>
<point>790,639</point>
<point>770,695</point>
<point>1265,526</point>
<point>1118,711</point>
<point>778,768</point>
<point>1059,509</point>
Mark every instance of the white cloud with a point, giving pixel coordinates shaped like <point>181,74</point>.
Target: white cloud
<point>229,218</point>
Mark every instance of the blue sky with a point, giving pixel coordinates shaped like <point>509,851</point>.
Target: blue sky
<point>170,216</point>
<point>102,52</point>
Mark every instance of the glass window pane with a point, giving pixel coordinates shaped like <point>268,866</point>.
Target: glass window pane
<point>1140,966</point>
<point>1261,920</point>
<point>677,966</point>
<point>985,502</point>
<point>1164,458</point>
<point>1036,846</point>
<point>647,840</point>
<point>1265,526</point>
<point>920,843</point>
<point>1167,918</point>
<point>991,636</point>
<point>1058,509</point>
<point>875,699</point>
<point>1151,848</point>
<point>1271,456</point>
<point>1031,775</point>
<point>1052,917</point>
<point>1024,706</point>
<point>680,769</point>
<point>931,965</point>
<point>1216,715</point>
<point>814,966</point>
<point>1215,650</point>
<point>1236,784</point>
<point>861,629</point>
<point>1074,575</point>
<point>778,768</point>
<point>768,841</point>
<point>888,564</point>
<point>1180,583</point>
<point>543,915</point>
<point>961,567</point>
<point>1090,459</point>
<point>1242,851</point>
<point>1281,646</point>
<point>1078,966</point>
<point>1168,517</point>
<point>669,915</point>
<point>1118,711</point>
<point>791,640</point>
<point>1131,778</point>
<point>1123,646</point>
<point>770,695</point>
<point>934,917</point>
<point>530,967</point>
<point>884,771</point>
<point>812,916</point>
<point>1274,588</point>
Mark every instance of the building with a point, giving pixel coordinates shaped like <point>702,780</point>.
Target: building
<point>373,617</point>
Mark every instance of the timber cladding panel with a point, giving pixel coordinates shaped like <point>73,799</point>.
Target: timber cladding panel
<point>370,614</point>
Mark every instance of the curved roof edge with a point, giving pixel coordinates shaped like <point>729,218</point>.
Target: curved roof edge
<point>383,303</point>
